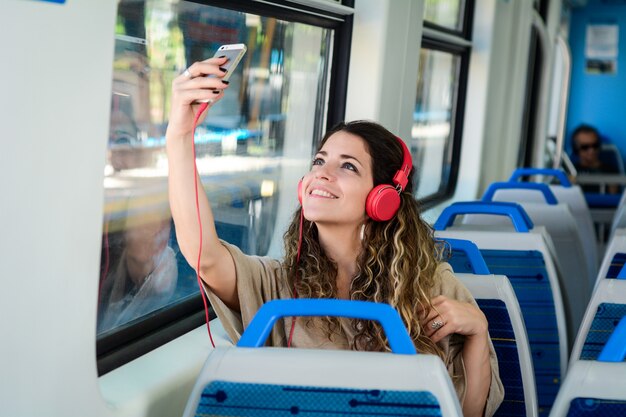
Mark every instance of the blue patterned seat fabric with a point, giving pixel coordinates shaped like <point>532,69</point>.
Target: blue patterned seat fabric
<point>503,338</point>
<point>616,265</point>
<point>586,407</point>
<point>527,273</point>
<point>604,322</point>
<point>221,398</point>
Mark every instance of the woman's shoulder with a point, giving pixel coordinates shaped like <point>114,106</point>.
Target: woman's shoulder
<point>447,284</point>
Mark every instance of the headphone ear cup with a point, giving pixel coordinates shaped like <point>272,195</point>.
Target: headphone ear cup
<point>382,203</point>
<point>300,191</point>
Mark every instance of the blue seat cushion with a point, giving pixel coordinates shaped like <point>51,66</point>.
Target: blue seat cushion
<point>221,398</point>
<point>616,265</point>
<point>604,323</point>
<point>503,338</point>
<point>596,407</point>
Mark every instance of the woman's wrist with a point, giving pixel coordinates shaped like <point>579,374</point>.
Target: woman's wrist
<point>480,335</point>
<point>174,139</point>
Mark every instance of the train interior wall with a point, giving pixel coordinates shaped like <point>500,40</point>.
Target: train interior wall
<point>597,75</point>
<point>56,110</point>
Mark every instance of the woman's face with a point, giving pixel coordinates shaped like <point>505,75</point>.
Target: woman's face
<point>335,190</point>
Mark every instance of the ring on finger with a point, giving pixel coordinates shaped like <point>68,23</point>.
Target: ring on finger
<point>436,324</point>
<point>187,74</point>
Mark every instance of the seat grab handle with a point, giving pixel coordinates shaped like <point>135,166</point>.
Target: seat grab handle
<point>514,211</point>
<point>259,328</point>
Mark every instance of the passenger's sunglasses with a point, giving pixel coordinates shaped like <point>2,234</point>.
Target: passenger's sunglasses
<point>589,146</point>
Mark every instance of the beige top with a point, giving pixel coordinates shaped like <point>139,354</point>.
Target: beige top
<point>261,279</point>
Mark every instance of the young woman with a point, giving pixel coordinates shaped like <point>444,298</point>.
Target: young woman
<point>344,252</point>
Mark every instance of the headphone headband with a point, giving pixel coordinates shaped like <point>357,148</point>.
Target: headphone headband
<point>402,175</point>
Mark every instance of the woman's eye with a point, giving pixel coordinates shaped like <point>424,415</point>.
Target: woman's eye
<point>349,166</point>
<point>318,161</point>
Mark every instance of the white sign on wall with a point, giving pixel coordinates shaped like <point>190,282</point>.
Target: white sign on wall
<point>601,48</point>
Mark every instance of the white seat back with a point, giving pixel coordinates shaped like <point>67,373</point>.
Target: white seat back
<point>253,382</point>
<point>575,199</point>
<point>606,308</point>
<point>577,274</point>
<point>526,260</point>
<point>619,217</point>
<point>561,222</point>
<point>596,387</point>
<point>592,388</point>
<point>496,298</point>
<point>266,381</point>
<point>565,193</point>
<point>614,256</point>
<point>577,278</point>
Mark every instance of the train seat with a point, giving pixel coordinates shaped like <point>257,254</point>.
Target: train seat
<point>606,308</point>
<point>614,256</point>
<point>596,387</point>
<point>524,257</point>
<point>619,217</point>
<point>250,380</point>
<point>496,298</point>
<point>577,276</point>
<point>570,194</point>
<point>610,154</point>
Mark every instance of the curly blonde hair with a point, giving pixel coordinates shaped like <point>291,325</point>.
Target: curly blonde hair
<point>397,262</point>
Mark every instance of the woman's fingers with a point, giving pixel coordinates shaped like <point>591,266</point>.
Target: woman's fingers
<point>211,66</point>
<point>199,95</point>
<point>200,82</point>
<point>432,322</point>
<point>450,316</point>
<point>191,89</point>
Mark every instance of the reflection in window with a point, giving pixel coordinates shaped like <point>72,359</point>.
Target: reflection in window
<point>446,13</point>
<point>251,149</point>
<point>431,136</point>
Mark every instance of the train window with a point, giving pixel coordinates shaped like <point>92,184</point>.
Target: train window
<point>251,149</point>
<point>440,97</point>
<point>445,13</point>
<point>438,79</point>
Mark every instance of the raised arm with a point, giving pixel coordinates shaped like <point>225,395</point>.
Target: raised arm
<point>217,268</point>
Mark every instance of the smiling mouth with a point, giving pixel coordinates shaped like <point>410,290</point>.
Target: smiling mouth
<point>322,193</point>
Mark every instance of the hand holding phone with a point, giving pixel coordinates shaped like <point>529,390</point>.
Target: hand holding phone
<point>234,53</point>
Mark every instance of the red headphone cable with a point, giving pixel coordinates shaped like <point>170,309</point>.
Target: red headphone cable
<point>201,110</point>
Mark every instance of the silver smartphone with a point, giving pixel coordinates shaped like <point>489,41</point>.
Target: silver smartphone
<point>234,52</point>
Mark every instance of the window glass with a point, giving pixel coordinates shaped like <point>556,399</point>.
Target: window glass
<point>446,13</point>
<point>251,150</point>
<point>432,132</point>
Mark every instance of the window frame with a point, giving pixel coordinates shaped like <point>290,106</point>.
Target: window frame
<point>128,342</point>
<point>458,43</point>
<point>466,23</point>
<point>532,91</point>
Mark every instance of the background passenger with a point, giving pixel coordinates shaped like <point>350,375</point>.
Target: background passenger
<point>344,253</point>
<point>586,145</point>
<point>142,280</point>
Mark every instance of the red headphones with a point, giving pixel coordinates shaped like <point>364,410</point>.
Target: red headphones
<point>383,201</point>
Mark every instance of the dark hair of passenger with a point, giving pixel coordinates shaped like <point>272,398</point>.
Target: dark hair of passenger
<point>583,128</point>
<point>398,259</point>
